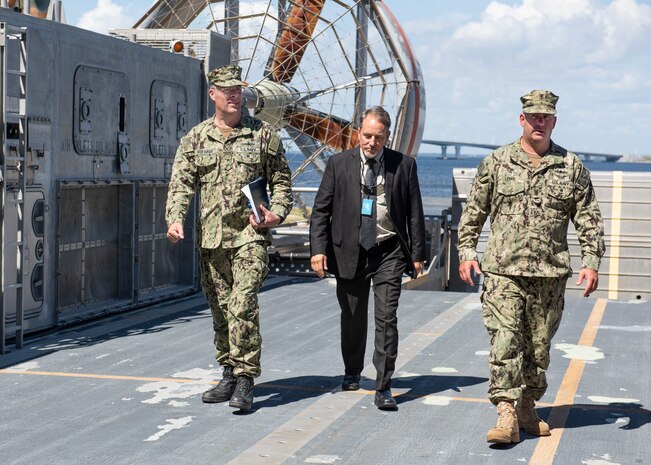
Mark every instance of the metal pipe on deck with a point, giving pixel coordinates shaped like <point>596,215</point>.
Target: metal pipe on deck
<point>312,190</point>
<point>171,14</point>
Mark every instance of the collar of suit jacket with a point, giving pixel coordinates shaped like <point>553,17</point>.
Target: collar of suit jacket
<point>377,158</point>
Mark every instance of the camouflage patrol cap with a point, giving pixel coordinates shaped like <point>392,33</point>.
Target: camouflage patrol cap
<point>539,101</point>
<point>226,76</point>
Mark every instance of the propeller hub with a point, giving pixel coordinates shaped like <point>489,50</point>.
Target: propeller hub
<point>269,100</point>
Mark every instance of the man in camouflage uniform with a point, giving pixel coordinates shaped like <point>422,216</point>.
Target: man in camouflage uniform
<point>531,189</point>
<point>218,157</point>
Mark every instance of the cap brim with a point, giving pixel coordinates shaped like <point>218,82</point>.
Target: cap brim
<point>542,109</point>
<point>231,83</point>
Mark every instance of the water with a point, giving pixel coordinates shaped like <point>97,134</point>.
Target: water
<point>435,177</point>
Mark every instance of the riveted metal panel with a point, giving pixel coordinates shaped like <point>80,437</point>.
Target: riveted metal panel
<point>88,245</point>
<point>168,118</point>
<point>158,259</point>
<point>97,118</point>
<point>33,260</point>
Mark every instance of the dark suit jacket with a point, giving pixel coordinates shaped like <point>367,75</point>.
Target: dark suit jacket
<point>336,216</point>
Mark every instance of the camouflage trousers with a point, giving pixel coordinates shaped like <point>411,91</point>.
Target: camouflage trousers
<point>521,314</point>
<point>231,279</point>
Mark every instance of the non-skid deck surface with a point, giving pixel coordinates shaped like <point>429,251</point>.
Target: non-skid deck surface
<point>127,389</point>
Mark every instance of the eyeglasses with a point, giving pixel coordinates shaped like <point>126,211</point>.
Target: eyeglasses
<point>229,91</point>
<point>543,116</point>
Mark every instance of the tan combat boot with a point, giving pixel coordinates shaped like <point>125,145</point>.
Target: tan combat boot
<point>506,430</point>
<point>528,418</point>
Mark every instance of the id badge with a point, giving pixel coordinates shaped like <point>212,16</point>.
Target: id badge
<point>367,207</point>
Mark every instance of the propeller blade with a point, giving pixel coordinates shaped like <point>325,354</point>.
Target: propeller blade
<point>311,149</point>
<point>171,14</point>
<point>327,129</point>
<point>346,85</point>
<point>294,38</point>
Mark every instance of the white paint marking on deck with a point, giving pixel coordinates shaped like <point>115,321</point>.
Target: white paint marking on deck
<point>170,390</point>
<point>616,421</point>
<point>176,403</point>
<point>629,329</point>
<point>615,232</point>
<point>27,366</point>
<point>444,370</point>
<point>577,352</point>
<point>406,374</point>
<point>61,345</point>
<point>482,352</point>
<point>437,400</point>
<point>172,424</point>
<point>199,374</point>
<point>164,391</point>
<point>601,461</point>
<point>322,459</point>
<point>612,400</point>
<point>286,440</point>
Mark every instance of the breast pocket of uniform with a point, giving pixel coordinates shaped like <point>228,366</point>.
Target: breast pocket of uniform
<point>207,166</point>
<point>511,199</point>
<point>559,198</point>
<point>247,157</point>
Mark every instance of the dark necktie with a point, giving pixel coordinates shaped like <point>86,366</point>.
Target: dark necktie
<point>368,232</point>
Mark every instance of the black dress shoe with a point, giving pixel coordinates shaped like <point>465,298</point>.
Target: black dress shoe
<point>350,383</point>
<point>385,401</point>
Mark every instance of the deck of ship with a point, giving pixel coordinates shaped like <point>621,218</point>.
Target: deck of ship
<point>127,389</point>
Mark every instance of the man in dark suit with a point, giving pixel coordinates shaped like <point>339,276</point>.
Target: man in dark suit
<point>367,225</point>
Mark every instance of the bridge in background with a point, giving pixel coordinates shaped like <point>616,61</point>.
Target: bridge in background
<point>444,144</point>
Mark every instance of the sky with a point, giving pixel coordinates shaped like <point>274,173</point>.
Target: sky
<point>478,57</point>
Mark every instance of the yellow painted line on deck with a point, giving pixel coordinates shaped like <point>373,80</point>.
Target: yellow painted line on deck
<point>547,446</point>
<point>262,386</point>
<point>91,375</point>
<point>288,387</point>
<point>615,233</point>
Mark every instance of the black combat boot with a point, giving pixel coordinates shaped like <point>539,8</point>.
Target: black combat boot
<point>224,389</point>
<point>243,396</point>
